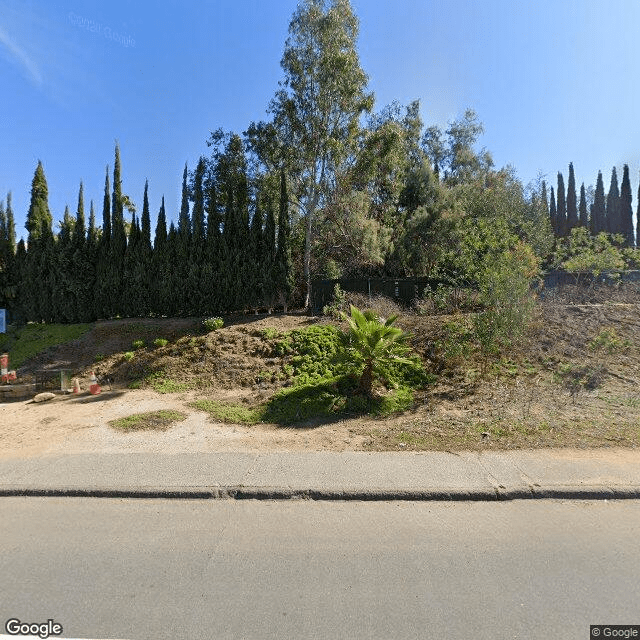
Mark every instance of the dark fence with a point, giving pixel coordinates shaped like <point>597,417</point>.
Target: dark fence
<point>402,290</point>
<point>405,290</point>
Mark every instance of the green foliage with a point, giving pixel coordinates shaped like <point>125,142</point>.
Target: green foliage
<point>211,324</point>
<point>505,292</point>
<point>35,338</point>
<point>39,216</point>
<point>160,342</point>
<point>373,345</point>
<point>317,110</point>
<point>608,340</point>
<point>159,420</point>
<point>337,305</point>
<point>138,344</point>
<point>161,383</point>
<point>316,353</point>
<point>582,253</point>
<point>232,413</point>
<point>457,342</point>
<point>128,356</point>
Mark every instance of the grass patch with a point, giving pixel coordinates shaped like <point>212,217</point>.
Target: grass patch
<point>153,420</point>
<point>161,384</point>
<point>228,412</point>
<point>33,338</point>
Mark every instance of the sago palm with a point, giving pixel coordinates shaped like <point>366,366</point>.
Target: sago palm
<point>374,344</point>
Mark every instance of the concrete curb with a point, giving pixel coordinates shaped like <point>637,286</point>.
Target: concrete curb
<point>364,495</point>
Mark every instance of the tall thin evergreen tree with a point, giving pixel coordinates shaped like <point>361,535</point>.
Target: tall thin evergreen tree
<point>598,221</point>
<point>626,208</point>
<point>283,272</point>
<point>562,207</point>
<point>118,244</point>
<point>583,218</point>
<point>572,205</point>
<point>553,213</point>
<point>39,213</point>
<point>613,205</point>
<point>103,298</point>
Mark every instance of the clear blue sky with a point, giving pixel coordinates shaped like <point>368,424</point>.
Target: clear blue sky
<point>553,81</point>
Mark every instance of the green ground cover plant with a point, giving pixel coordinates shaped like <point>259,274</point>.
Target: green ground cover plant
<point>324,367</point>
<point>154,420</point>
<point>211,324</point>
<point>34,338</point>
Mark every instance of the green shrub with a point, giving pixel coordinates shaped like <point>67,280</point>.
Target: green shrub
<point>337,304</point>
<point>211,324</point>
<point>137,344</point>
<point>160,342</point>
<point>128,356</point>
<point>505,292</point>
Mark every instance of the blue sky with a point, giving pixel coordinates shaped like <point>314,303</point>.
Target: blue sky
<point>553,81</point>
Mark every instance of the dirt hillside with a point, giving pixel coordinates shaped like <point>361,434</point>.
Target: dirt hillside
<point>573,381</point>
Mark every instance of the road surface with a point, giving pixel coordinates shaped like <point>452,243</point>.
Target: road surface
<point>214,569</point>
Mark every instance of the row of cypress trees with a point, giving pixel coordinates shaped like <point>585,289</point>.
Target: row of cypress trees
<point>612,213</point>
<point>229,252</point>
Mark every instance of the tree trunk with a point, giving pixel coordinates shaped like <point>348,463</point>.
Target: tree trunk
<point>366,380</point>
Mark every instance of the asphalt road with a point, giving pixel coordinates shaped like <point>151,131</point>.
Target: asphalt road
<point>155,569</point>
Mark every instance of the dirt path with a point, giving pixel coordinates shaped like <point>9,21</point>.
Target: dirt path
<point>80,424</point>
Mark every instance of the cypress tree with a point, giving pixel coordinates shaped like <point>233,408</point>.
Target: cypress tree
<point>118,245</point>
<point>598,216</point>
<point>39,213</point>
<point>79,231</point>
<point>228,273</point>
<point>283,272</point>
<point>626,209</point>
<point>210,275</point>
<point>257,275</point>
<point>161,228</point>
<point>184,224</point>
<point>197,216</point>
<point>613,205</point>
<point>545,199</point>
<point>11,225</point>
<point>160,266</point>
<point>8,268</point>
<point>39,279</point>
<point>39,263</point>
<point>133,298</point>
<point>145,230</point>
<point>143,267</point>
<point>572,208</point>
<point>196,251</point>
<point>270,291</point>
<point>103,300</point>
<point>19,314</point>
<point>88,314</point>
<point>553,213</point>
<point>83,275</point>
<point>64,293</point>
<point>171,285</point>
<point>562,207</point>
<point>106,211</point>
<point>583,219</point>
